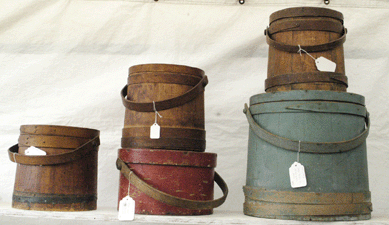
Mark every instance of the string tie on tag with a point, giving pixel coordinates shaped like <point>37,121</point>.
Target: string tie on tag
<point>156,113</point>
<point>322,63</point>
<point>129,183</point>
<point>302,50</point>
<point>298,153</point>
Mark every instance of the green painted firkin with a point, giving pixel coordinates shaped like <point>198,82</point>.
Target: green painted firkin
<point>326,132</point>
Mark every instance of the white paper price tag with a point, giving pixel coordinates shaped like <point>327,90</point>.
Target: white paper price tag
<point>297,175</point>
<point>34,151</point>
<point>324,64</point>
<point>155,131</point>
<point>126,208</point>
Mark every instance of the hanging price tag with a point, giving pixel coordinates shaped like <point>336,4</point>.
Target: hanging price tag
<point>34,151</point>
<point>126,208</point>
<point>324,64</point>
<point>297,175</point>
<point>155,131</point>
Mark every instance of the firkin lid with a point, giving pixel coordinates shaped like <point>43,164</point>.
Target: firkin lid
<point>308,95</point>
<point>168,157</point>
<point>58,130</point>
<point>168,68</point>
<point>305,12</point>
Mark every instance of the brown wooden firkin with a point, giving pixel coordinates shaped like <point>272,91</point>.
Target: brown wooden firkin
<point>178,95</point>
<point>63,180</point>
<point>320,32</point>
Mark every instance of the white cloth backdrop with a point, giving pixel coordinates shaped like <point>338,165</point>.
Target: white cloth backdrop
<point>64,63</point>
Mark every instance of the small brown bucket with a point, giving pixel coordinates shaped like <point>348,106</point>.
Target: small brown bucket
<point>177,93</point>
<point>168,182</point>
<point>65,179</point>
<point>314,33</point>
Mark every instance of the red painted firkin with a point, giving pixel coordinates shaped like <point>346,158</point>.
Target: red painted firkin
<point>183,174</point>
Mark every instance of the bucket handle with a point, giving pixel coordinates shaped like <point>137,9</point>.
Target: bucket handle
<point>47,160</point>
<point>306,77</point>
<point>307,147</point>
<point>164,104</point>
<point>309,48</point>
<point>326,108</point>
<point>170,199</point>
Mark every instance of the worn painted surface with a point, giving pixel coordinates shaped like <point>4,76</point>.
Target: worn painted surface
<point>319,120</point>
<point>188,175</point>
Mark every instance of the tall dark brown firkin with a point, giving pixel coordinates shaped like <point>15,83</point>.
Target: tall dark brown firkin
<point>320,33</point>
<point>177,93</point>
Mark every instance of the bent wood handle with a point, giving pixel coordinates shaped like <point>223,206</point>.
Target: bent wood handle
<point>306,25</point>
<point>164,104</point>
<point>330,107</point>
<point>309,48</point>
<point>170,199</point>
<point>306,77</point>
<point>46,160</point>
<point>308,147</point>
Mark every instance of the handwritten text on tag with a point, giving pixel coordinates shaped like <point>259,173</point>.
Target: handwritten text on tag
<point>297,175</point>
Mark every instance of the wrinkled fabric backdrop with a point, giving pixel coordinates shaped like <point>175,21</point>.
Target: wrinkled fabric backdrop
<point>64,63</point>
